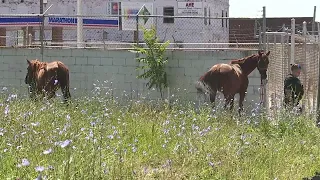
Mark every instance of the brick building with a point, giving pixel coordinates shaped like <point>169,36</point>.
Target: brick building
<point>246,30</point>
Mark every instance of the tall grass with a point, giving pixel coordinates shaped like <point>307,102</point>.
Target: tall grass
<point>97,138</point>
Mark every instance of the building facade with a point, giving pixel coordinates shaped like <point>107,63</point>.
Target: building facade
<point>196,29</point>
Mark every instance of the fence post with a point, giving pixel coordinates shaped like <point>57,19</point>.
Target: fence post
<point>136,39</point>
<point>79,24</point>
<point>264,29</point>
<point>42,37</point>
<point>314,20</point>
<point>304,33</point>
<point>293,44</point>
<point>41,29</point>
<point>318,93</point>
<point>263,89</point>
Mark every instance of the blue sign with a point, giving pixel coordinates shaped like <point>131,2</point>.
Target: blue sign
<point>57,21</point>
<point>18,21</point>
<point>62,20</point>
<point>67,21</point>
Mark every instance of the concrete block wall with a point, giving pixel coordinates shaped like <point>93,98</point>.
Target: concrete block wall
<point>115,69</point>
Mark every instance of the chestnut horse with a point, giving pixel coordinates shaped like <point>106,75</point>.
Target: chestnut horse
<point>232,78</point>
<point>46,78</point>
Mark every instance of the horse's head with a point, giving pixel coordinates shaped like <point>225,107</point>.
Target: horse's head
<point>263,63</point>
<point>33,67</point>
<point>30,72</point>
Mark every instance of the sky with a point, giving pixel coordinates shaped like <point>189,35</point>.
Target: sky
<point>274,8</point>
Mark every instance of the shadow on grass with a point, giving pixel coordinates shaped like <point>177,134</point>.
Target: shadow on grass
<point>316,177</point>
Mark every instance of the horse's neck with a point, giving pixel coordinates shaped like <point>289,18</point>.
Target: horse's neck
<point>249,66</point>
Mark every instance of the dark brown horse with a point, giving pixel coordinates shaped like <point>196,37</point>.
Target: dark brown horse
<point>232,78</point>
<point>46,78</point>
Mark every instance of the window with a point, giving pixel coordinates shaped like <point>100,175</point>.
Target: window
<point>168,11</point>
<point>205,16</point>
<point>222,20</point>
<point>209,16</point>
<point>226,19</point>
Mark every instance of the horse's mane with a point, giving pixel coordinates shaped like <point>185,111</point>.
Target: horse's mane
<point>38,64</point>
<point>242,60</point>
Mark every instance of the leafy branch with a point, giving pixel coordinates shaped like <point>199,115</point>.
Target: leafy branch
<point>153,60</point>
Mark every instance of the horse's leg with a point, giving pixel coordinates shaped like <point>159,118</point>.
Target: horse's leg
<point>63,79</point>
<point>51,94</point>
<point>213,98</point>
<point>231,103</point>
<point>66,93</point>
<point>229,100</point>
<point>242,94</point>
<point>241,99</point>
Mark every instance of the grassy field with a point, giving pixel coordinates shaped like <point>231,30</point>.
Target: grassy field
<point>99,139</point>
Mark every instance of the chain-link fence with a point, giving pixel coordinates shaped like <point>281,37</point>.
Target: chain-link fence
<point>183,32</point>
<point>286,48</point>
<point>278,44</point>
<point>120,32</point>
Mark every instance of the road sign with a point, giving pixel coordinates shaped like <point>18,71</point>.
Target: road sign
<point>130,11</point>
<point>144,11</point>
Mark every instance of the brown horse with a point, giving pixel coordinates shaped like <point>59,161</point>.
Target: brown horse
<point>46,78</point>
<point>232,78</point>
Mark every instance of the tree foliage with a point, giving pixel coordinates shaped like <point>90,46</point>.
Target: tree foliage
<point>153,60</point>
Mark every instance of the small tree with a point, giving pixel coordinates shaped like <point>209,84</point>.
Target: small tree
<point>153,60</point>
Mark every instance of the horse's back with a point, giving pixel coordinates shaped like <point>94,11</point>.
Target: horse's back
<point>225,69</point>
<point>52,65</point>
<point>229,76</point>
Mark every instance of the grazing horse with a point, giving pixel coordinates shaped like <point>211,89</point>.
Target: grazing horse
<point>46,78</point>
<point>232,78</point>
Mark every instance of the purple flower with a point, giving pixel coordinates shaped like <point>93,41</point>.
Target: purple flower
<point>39,168</point>
<point>6,110</point>
<point>24,162</point>
<point>35,124</point>
<point>65,143</point>
<point>50,167</point>
<point>47,151</point>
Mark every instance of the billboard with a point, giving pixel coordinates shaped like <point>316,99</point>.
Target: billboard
<point>129,11</point>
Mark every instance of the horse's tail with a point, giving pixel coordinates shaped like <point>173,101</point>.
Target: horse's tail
<point>209,82</point>
<point>201,84</point>
<point>63,73</point>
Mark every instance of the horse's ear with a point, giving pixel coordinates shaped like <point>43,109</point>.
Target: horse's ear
<point>268,53</point>
<point>28,61</point>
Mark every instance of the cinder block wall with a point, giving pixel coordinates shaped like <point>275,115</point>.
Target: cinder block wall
<point>115,69</point>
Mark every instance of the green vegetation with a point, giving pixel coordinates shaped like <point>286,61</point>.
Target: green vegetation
<point>153,60</point>
<point>97,138</point>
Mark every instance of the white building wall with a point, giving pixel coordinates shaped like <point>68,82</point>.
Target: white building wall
<point>182,30</point>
